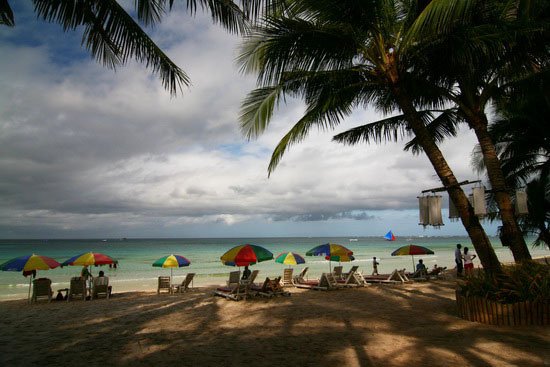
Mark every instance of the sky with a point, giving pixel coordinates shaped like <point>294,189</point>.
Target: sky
<point>88,152</point>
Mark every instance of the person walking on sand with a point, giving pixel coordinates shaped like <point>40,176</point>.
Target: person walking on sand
<point>374,266</point>
<point>458,260</point>
<point>468,261</point>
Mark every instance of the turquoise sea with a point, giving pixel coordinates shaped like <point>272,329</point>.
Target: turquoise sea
<point>135,256</point>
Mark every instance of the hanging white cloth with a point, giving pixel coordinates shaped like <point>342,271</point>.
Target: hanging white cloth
<point>478,201</point>
<point>435,217</point>
<point>521,203</point>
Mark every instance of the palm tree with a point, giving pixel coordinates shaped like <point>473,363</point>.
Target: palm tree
<point>341,55</point>
<point>474,57</point>
<point>113,37</point>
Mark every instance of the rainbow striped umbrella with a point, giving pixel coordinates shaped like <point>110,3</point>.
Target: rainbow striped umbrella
<point>244,255</point>
<point>172,261</point>
<point>412,250</point>
<point>332,252</point>
<point>29,263</point>
<point>289,258</point>
<point>89,258</point>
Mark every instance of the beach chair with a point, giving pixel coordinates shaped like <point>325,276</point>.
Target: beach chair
<point>100,287</point>
<point>325,283</point>
<point>164,285</point>
<point>353,269</point>
<point>348,281</point>
<point>337,272</point>
<point>264,290</point>
<point>300,278</point>
<point>287,276</point>
<point>41,288</point>
<point>184,286</point>
<point>234,278</point>
<point>77,288</point>
<point>396,277</point>
<point>277,289</point>
<point>237,291</point>
<point>420,275</point>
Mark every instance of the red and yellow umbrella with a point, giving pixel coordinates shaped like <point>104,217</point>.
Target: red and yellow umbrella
<point>89,258</point>
<point>244,255</point>
<point>412,250</point>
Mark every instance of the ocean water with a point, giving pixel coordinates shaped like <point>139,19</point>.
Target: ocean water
<point>135,256</point>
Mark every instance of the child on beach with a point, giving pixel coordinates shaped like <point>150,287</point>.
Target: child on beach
<point>374,266</point>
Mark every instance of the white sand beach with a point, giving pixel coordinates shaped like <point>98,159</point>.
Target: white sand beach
<point>380,325</point>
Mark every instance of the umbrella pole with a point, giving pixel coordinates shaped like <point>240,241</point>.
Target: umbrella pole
<point>30,285</point>
<point>413,262</point>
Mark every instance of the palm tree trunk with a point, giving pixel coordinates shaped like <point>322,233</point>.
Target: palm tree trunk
<point>511,235</point>
<point>470,221</point>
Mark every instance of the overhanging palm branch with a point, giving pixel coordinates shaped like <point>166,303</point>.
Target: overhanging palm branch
<point>6,14</point>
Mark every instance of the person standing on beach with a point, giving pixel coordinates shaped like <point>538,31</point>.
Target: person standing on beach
<point>374,266</point>
<point>468,261</point>
<point>458,260</point>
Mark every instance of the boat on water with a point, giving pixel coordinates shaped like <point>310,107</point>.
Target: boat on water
<point>353,240</point>
<point>389,236</point>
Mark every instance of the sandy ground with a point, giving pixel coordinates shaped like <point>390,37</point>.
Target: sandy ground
<point>381,325</point>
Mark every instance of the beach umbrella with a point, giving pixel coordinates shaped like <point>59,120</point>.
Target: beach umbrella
<point>412,250</point>
<point>172,261</point>
<point>289,258</point>
<point>89,258</point>
<point>244,255</point>
<point>29,263</point>
<point>332,252</point>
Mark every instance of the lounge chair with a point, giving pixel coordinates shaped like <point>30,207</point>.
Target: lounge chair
<point>41,288</point>
<point>300,278</point>
<point>353,269</point>
<point>101,286</point>
<point>164,285</point>
<point>77,288</point>
<point>277,289</point>
<point>420,275</point>
<point>396,277</point>
<point>337,272</point>
<point>239,290</point>
<point>184,286</point>
<point>348,282</point>
<point>437,273</point>
<point>263,290</point>
<point>234,278</point>
<point>325,283</point>
<point>287,276</point>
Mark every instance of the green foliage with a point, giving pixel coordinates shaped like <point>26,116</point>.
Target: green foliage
<point>528,281</point>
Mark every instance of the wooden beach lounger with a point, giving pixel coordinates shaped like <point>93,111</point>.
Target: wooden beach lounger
<point>287,276</point>
<point>237,291</point>
<point>300,278</point>
<point>325,283</point>
<point>77,288</point>
<point>41,288</point>
<point>164,285</point>
<point>396,277</point>
<point>337,272</point>
<point>184,286</point>
<point>101,287</point>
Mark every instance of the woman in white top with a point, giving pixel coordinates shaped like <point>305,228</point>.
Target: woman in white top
<point>468,261</point>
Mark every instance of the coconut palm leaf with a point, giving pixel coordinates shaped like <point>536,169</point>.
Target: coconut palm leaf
<point>6,14</point>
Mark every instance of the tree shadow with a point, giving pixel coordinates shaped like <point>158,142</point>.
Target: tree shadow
<point>378,325</point>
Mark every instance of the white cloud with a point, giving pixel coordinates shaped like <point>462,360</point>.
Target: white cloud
<point>87,150</point>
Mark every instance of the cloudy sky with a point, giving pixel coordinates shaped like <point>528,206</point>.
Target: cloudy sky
<point>89,152</point>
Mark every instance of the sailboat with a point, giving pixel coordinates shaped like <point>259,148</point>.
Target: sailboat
<point>389,236</point>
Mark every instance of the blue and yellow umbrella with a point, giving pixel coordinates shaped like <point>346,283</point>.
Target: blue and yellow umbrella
<point>172,261</point>
<point>289,258</point>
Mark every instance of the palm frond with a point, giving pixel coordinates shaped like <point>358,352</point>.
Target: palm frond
<point>389,129</point>
<point>6,14</point>
<point>257,109</point>
<point>112,36</point>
